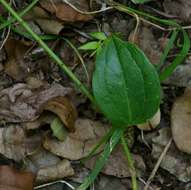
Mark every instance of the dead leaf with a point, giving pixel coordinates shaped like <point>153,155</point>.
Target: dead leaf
<point>175,162</point>
<point>47,166</point>
<point>63,108</point>
<point>146,40</point>
<point>55,172</point>
<point>77,145</point>
<point>180,9</point>
<point>15,65</point>
<point>21,103</point>
<point>11,179</point>
<point>64,12</point>
<point>152,123</point>
<point>117,164</point>
<point>50,26</point>
<point>14,143</point>
<point>181,122</point>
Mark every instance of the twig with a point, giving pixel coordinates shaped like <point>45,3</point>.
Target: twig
<point>53,183</point>
<point>86,12</point>
<point>6,37</point>
<point>153,173</point>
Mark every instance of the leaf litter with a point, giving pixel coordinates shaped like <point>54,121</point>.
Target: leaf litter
<point>39,105</point>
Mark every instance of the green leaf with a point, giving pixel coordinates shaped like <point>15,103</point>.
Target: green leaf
<point>98,35</point>
<point>179,58</point>
<point>58,129</point>
<point>90,46</point>
<point>125,84</point>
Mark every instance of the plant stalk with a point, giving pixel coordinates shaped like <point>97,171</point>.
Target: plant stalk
<point>49,51</point>
<point>130,162</point>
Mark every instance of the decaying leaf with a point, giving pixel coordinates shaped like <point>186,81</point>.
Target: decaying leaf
<point>175,162</point>
<point>117,164</point>
<point>152,123</point>
<point>63,108</point>
<point>20,103</point>
<point>181,122</point>
<point>145,39</point>
<point>77,145</point>
<point>59,171</point>
<point>64,12</point>
<point>14,143</point>
<point>15,65</point>
<point>11,179</point>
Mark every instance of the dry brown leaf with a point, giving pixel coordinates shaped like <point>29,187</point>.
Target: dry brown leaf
<point>15,65</point>
<point>63,108</point>
<point>78,144</point>
<point>22,103</point>
<point>181,122</point>
<point>180,9</point>
<point>14,143</point>
<point>11,179</point>
<point>50,26</point>
<point>117,164</point>
<point>64,12</point>
<point>58,171</point>
<point>36,13</point>
<point>145,39</point>
<point>152,123</point>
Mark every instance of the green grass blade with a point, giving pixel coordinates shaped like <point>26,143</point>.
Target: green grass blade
<point>101,142</point>
<point>179,58</point>
<point>167,49</point>
<point>102,159</point>
<point>49,51</point>
<point>22,13</point>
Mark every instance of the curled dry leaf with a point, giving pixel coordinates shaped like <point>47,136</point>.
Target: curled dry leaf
<point>152,123</point>
<point>21,103</point>
<point>77,145</point>
<point>62,107</point>
<point>117,164</point>
<point>11,179</point>
<point>15,65</point>
<point>181,122</point>
<point>64,12</point>
<point>14,143</point>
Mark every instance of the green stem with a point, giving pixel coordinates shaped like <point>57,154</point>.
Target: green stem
<point>130,163</point>
<point>22,13</point>
<point>49,51</point>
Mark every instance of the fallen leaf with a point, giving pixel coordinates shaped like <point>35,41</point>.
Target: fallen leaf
<point>146,40</point>
<point>180,9</point>
<point>15,144</point>
<point>64,12</point>
<point>152,123</point>
<point>21,103</point>
<point>62,107</point>
<point>15,65</point>
<point>175,162</point>
<point>117,164</point>
<point>77,145</point>
<point>50,26</point>
<point>181,122</point>
<point>47,166</point>
<point>11,179</point>
<point>59,171</point>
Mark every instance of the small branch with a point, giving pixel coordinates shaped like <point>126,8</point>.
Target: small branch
<point>153,173</point>
<point>130,163</point>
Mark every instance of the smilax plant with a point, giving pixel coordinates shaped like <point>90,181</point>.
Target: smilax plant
<point>126,88</point>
